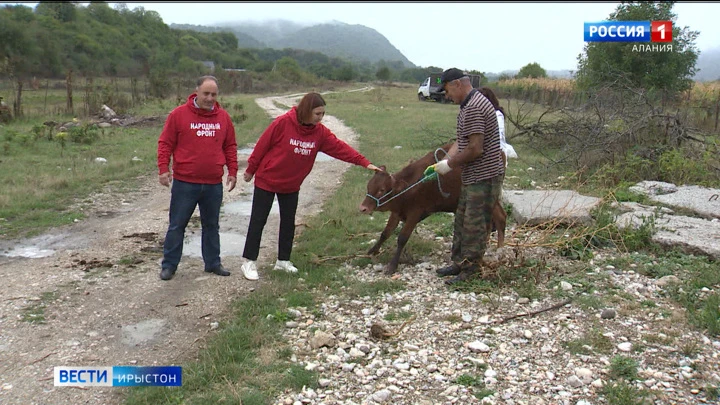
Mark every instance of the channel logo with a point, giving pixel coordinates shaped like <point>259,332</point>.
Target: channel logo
<point>628,31</point>
<point>118,376</point>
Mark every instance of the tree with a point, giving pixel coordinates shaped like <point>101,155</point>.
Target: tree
<point>531,70</point>
<point>383,74</point>
<point>289,69</point>
<point>345,73</point>
<point>604,63</point>
<point>64,11</point>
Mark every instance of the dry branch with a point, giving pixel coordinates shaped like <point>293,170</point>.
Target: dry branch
<point>556,306</point>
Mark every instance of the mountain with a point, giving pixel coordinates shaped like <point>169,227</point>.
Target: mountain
<point>267,31</point>
<point>355,43</point>
<point>708,64</point>
<point>244,40</point>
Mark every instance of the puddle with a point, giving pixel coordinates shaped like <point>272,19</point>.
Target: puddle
<point>31,252</point>
<point>42,246</point>
<point>245,207</point>
<point>321,157</point>
<point>230,245</point>
<point>142,332</point>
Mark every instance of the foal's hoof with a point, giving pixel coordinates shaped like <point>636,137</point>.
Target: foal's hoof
<point>389,270</point>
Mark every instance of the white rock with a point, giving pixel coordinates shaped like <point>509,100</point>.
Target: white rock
<point>574,382</point>
<point>478,346</point>
<point>584,374</point>
<point>625,346</point>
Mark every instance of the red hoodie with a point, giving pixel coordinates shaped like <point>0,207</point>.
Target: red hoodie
<point>286,151</point>
<point>201,143</point>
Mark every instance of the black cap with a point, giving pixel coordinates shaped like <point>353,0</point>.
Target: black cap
<point>450,75</point>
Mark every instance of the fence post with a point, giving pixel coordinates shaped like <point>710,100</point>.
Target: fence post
<point>17,105</point>
<point>47,86</point>
<point>68,86</point>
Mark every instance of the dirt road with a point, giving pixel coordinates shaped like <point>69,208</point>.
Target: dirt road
<point>96,284</point>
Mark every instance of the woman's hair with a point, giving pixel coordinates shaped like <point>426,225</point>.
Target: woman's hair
<point>308,103</point>
<point>492,98</point>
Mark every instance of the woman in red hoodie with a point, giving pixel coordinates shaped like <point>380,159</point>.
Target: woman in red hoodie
<point>282,158</point>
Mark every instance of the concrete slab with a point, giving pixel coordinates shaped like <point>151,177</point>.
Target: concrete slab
<point>694,235</point>
<point>703,201</point>
<point>533,207</point>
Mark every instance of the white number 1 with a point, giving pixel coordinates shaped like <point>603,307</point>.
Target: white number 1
<point>662,31</point>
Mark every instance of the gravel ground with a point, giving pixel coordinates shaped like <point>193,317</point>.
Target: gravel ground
<point>456,347</point>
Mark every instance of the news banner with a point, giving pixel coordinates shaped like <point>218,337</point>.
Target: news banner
<point>118,376</point>
<point>652,35</point>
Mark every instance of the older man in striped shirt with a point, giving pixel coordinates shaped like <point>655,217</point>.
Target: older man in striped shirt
<point>478,154</point>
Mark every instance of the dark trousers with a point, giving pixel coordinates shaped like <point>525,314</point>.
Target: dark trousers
<point>261,205</point>
<point>184,198</point>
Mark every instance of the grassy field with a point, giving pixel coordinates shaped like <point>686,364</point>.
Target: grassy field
<point>247,361</point>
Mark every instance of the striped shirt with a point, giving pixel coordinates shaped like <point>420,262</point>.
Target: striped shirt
<point>477,116</point>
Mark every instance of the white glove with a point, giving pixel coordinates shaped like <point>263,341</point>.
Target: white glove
<point>442,167</point>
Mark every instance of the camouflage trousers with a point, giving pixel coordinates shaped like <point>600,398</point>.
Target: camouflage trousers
<point>473,219</point>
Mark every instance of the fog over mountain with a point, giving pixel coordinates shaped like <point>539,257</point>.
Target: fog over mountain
<point>708,65</point>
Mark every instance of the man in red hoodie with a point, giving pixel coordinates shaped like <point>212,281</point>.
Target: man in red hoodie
<point>281,160</point>
<point>200,137</point>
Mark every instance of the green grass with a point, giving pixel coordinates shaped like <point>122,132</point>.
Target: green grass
<point>41,179</point>
<point>35,312</point>
<point>591,342</point>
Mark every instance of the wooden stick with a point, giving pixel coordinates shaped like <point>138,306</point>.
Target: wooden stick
<point>556,306</point>
<point>42,358</point>
<point>328,258</point>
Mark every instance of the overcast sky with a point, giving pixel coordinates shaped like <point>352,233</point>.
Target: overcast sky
<point>489,37</point>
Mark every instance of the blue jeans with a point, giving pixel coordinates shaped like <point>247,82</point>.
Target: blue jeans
<point>184,198</point>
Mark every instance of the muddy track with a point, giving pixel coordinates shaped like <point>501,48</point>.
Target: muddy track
<point>96,288</point>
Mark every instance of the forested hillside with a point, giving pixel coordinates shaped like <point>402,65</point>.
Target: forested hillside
<point>56,38</point>
<point>356,43</point>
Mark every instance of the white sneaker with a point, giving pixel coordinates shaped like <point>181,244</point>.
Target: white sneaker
<point>285,265</point>
<point>249,269</point>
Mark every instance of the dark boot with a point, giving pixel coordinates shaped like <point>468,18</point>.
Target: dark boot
<point>451,270</point>
<point>167,273</point>
<point>465,274</point>
<point>220,271</point>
